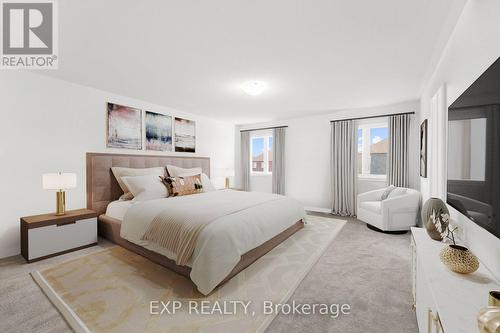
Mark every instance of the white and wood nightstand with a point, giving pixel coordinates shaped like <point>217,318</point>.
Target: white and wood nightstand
<point>49,235</point>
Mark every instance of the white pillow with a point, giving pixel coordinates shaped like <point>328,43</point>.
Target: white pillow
<point>175,171</point>
<point>397,192</point>
<point>387,191</point>
<point>121,172</point>
<point>147,187</point>
<point>207,184</point>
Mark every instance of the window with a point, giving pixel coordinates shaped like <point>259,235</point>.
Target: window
<point>261,154</point>
<point>373,148</point>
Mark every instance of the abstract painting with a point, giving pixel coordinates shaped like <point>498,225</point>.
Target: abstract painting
<point>185,135</point>
<point>423,149</point>
<point>158,131</point>
<point>124,127</point>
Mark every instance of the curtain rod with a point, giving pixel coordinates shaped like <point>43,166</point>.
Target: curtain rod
<point>260,129</point>
<point>369,117</point>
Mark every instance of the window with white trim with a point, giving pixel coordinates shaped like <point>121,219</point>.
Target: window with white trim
<point>261,154</point>
<point>373,149</point>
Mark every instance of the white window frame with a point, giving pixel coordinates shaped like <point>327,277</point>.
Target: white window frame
<point>265,136</point>
<point>365,127</point>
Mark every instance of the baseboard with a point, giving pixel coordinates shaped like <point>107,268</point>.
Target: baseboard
<point>9,252</point>
<point>318,209</point>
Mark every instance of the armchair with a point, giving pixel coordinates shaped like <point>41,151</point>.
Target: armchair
<point>396,213</point>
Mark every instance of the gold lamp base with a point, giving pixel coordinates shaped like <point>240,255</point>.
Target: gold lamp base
<point>226,184</point>
<point>60,203</point>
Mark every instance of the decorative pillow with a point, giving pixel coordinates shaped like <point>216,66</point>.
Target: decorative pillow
<point>387,191</point>
<point>120,172</point>
<point>146,187</point>
<point>174,171</point>
<point>396,192</point>
<point>179,186</point>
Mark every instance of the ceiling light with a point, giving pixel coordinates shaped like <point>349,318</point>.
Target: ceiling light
<point>254,88</point>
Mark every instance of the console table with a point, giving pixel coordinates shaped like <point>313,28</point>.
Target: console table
<point>446,301</point>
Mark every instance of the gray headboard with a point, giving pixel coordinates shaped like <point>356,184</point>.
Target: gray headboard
<point>102,187</point>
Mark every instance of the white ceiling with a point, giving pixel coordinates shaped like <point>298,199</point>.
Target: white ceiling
<point>317,56</point>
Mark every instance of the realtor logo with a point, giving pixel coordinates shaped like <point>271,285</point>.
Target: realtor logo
<point>29,34</point>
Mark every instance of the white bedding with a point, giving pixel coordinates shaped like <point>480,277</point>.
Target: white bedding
<point>117,209</point>
<point>221,243</point>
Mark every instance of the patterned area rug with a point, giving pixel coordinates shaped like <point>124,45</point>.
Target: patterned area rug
<point>115,290</point>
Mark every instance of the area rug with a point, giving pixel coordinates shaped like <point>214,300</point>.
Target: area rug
<point>116,290</point>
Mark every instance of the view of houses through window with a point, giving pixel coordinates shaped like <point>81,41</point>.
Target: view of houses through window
<point>262,154</point>
<point>373,148</point>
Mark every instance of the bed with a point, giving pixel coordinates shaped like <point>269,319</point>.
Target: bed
<point>225,247</point>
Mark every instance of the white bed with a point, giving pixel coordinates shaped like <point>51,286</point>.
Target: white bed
<point>117,209</point>
<point>221,243</point>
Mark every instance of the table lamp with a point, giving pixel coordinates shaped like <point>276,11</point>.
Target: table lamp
<point>60,182</point>
<point>226,173</point>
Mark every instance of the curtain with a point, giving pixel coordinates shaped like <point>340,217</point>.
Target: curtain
<point>343,156</point>
<point>245,160</point>
<point>399,131</point>
<point>279,160</point>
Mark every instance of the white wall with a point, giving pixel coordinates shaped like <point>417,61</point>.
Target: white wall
<point>471,49</point>
<point>48,125</point>
<point>308,154</point>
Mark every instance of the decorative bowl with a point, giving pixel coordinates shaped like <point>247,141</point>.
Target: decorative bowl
<point>459,259</point>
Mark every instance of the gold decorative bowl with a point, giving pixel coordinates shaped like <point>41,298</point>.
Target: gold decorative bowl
<point>459,259</point>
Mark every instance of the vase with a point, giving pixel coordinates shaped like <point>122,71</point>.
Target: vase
<point>488,319</point>
<point>459,259</point>
<point>434,205</point>
<point>494,298</point>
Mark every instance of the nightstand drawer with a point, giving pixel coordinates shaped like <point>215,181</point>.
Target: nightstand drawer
<point>48,240</point>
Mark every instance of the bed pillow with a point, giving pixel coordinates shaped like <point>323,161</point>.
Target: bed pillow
<point>207,183</point>
<point>120,172</point>
<point>396,192</point>
<point>179,186</point>
<point>174,171</point>
<point>147,187</point>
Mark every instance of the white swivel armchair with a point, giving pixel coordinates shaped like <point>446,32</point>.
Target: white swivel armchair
<point>397,213</point>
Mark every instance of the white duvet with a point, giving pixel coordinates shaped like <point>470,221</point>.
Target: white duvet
<point>220,244</point>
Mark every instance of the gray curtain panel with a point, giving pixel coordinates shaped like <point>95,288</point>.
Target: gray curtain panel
<point>344,152</point>
<point>279,160</point>
<point>245,160</point>
<point>399,132</point>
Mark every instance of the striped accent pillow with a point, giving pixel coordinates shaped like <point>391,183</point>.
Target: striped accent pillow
<point>179,186</point>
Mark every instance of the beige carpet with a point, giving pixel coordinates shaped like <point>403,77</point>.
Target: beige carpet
<point>111,290</point>
<point>369,270</point>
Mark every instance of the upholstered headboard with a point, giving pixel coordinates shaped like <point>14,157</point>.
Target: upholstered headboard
<point>102,187</point>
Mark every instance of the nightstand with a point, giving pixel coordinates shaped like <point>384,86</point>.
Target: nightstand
<point>49,235</point>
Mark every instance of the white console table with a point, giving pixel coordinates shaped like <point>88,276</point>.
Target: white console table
<point>446,301</point>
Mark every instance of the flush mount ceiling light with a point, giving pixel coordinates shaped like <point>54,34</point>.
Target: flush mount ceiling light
<point>254,87</point>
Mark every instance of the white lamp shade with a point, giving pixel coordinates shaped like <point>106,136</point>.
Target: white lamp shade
<point>223,172</point>
<point>59,181</point>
